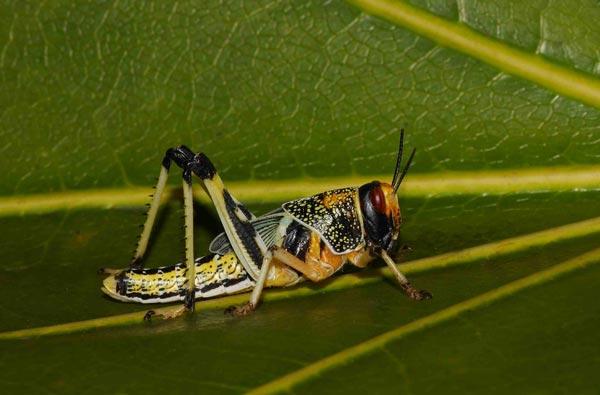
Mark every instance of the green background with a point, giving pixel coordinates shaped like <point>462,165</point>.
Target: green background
<point>92,94</point>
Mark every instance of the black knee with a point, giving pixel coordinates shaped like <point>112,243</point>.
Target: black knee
<point>182,156</point>
<point>187,176</point>
<point>203,167</point>
<point>185,158</point>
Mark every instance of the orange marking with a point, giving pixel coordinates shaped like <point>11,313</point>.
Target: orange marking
<point>335,198</point>
<point>392,205</point>
<point>360,258</point>
<point>320,258</point>
<point>335,261</point>
<point>314,246</point>
<point>280,275</point>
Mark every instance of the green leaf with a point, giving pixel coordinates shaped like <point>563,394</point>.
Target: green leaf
<point>462,38</point>
<point>93,95</point>
<point>501,208</point>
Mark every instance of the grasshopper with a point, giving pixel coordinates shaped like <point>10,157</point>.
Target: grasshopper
<point>305,239</point>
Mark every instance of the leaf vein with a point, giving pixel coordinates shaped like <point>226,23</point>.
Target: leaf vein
<point>532,67</point>
<point>473,254</point>
<point>344,357</point>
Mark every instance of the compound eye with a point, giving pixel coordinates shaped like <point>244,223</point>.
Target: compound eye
<point>377,199</point>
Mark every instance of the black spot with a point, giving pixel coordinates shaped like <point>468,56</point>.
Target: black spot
<point>203,167</point>
<point>142,296</point>
<point>232,281</point>
<point>121,283</point>
<point>209,287</point>
<point>297,239</point>
<point>205,259</point>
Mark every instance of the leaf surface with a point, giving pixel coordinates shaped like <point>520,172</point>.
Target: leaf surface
<point>93,95</point>
<point>289,99</point>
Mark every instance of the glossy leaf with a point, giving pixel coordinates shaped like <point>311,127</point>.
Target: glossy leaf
<point>94,94</point>
<point>501,208</point>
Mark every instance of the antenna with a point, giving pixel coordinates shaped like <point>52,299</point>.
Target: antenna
<point>406,167</point>
<point>399,176</point>
<point>398,161</point>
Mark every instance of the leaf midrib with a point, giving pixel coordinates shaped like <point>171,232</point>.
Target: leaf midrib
<point>577,85</point>
<point>256,191</point>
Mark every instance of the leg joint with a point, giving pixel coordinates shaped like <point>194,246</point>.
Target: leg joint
<point>203,167</point>
<point>185,158</point>
<point>189,300</point>
<point>187,176</point>
<point>182,156</point>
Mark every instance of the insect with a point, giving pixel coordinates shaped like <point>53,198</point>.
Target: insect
<point>305,239</point>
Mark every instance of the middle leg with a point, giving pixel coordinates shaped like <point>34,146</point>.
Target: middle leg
<point>256,291</point>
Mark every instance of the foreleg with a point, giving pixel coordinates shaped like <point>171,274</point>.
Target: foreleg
<point>406,286</point>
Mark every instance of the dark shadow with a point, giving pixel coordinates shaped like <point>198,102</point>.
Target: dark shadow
<point>163,213</point>
<point>204,217</point>
<point>207,218</point>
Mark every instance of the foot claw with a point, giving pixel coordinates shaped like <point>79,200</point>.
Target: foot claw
<point>167,314</point>
<point>420,295</point>
<point>148,315</point>
<point>239,311</point>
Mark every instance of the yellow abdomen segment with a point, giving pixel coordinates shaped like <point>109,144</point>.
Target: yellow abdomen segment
<point>215,275</point>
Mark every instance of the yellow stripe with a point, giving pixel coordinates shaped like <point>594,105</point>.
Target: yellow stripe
<point>495,249</point>
<point>289,381</point>
<point>458,36</point>
<point>416,185</point>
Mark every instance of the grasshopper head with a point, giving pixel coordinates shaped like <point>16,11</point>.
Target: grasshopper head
<point>380,207</point>
<point>381,214</point>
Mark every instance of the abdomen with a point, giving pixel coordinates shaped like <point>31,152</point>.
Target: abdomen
<point>215,275</point>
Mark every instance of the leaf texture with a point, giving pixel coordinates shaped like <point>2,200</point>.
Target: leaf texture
<point>288,99</point>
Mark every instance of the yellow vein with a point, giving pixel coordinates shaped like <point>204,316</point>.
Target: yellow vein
<point>287,382</point>
<point>535,68</point>
<point>417,185</point>
<point>485,251</point>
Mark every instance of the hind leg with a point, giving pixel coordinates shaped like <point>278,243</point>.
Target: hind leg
<point>246,242</point>
<point>142,244</point>
<point>190,292</point>
<point>172,154</point>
